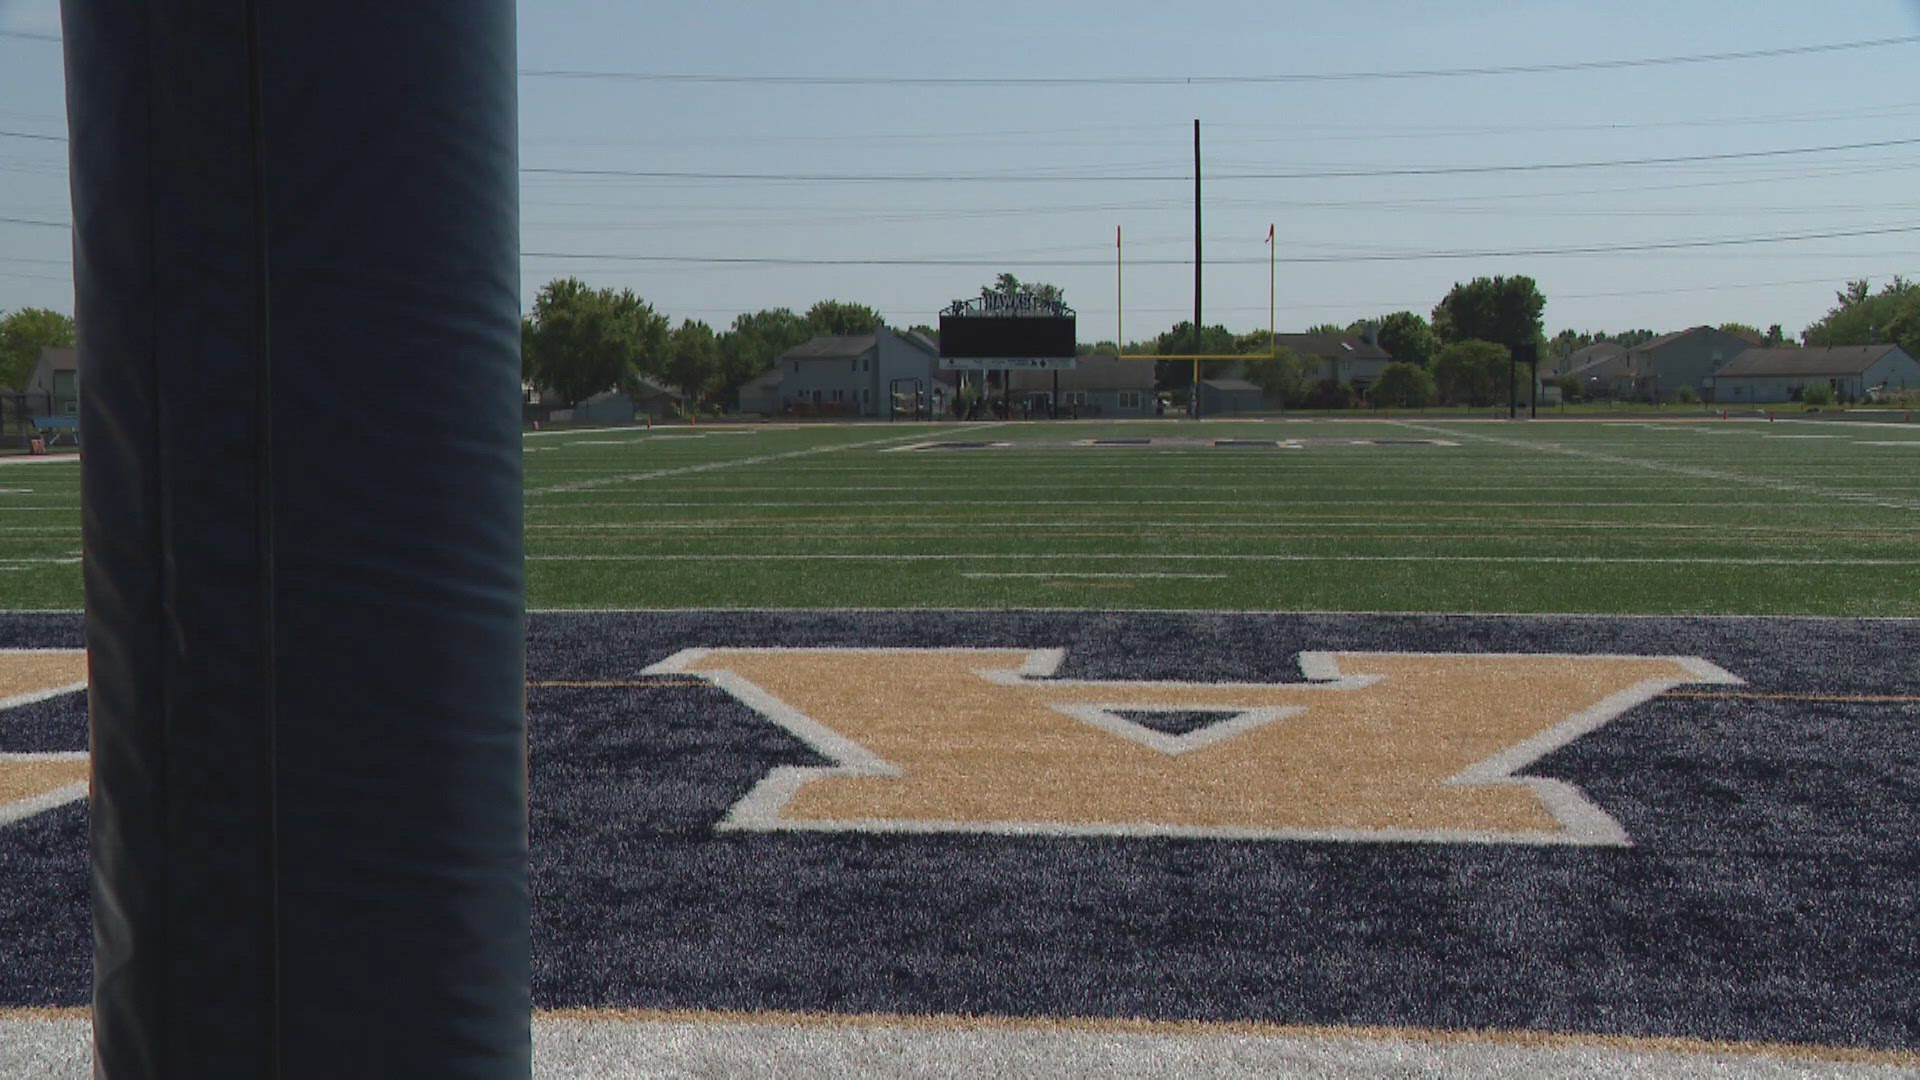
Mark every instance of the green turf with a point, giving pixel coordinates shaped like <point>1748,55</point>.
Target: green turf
<point>1669,516</point>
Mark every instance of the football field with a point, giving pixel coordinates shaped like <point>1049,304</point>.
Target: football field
<point>1239,748</point>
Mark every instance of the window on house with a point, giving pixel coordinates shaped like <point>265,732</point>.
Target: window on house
<point>1129,399</point>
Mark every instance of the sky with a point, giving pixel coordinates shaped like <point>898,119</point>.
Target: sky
<point>901,154</point>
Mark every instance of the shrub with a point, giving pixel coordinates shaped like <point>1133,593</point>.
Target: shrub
<point>1686,396</point>
<point>1817,394</point>
<point>1405,386</point>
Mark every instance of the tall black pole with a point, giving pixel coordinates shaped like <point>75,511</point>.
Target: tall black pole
<point>1193,391</point>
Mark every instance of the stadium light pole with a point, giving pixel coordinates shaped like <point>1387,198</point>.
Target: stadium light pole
<point>1193,388</point>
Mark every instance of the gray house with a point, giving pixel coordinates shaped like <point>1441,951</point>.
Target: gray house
<point>1218,396</point>
<point>53,386</point>
<point>1583,359</point>
<point>860,375</point>
<point>1657,370</point>
<point>1095,386</point>
<point>1343,358</point>
<point>1774,375</point>
<point>761,394</point>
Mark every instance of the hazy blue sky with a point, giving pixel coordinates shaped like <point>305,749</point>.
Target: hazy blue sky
<point>1120,155</point>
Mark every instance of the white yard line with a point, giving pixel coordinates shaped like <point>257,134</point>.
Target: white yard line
<point>1202,523</point>
<point>1055,575</point>
<point>1107,556</point>
<point>1698,472</point>
<point>709,466</point>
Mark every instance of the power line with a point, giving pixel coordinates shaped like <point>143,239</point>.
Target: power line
<point>1380,256</point>
<point>1314,174</point>
<point>1209,80</point>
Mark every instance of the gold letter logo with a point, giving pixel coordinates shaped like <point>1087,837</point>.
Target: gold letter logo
<point>1374,746</point>
<point>31,783</point>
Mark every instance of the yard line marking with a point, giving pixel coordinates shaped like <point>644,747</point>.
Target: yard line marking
<point>1078,574</point>
<point>1104,556</point>
<point>1885,442</point>
<point>1683,470</point>
<point>758,459</point>
<point>936,522</point>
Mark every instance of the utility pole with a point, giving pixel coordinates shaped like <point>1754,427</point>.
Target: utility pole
<point>1193,390</point>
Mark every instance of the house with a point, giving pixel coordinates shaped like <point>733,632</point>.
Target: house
<point>1578,359</point>
<point>761,394</point>
<point>53,386</point>
<point>1658,369</point>
<point>1343,358</point>
<point>1218,396</point>
<point>1774,375</point>
<point>646,398</point>
<point>1094,386</point>
<point>859,375</point>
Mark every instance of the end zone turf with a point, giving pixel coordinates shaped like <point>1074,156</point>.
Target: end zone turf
<point>1761,890</point>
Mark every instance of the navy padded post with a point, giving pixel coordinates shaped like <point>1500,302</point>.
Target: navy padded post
<point>296,263</point>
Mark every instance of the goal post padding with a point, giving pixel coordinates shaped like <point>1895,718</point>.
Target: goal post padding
<point>297,277</point>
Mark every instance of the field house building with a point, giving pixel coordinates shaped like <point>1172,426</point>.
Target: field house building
<point>1763,376</point>
<point>1094,386</point>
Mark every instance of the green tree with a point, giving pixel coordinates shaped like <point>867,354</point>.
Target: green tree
<point>23,334</point>
<point>1284,377</point>
<point>1006,285</point>
<point>1328,328</point>
<point>756,340</point>
<point>1471,372</point>
<point>838,318</point>
<point>1407,337</point>
<point>581,341</point>
<point>1740,329</point>
<point>1181,340</point>
<point>1503,310</point>
<point>1404,385</point>
<point>693,361</point>
<point>1861,316</point>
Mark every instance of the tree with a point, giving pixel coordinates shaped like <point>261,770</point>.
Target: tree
<point>838,318</point>
<point>23,334</point>
<point>1863,317</point>
<point>1284,377</point>
<point>1471,372</point>
<point>1328,328</point>
<point>1181,340</point>
<point>1403,385</point>
<point>1407,337</point>
<point>1742,330</point>
<point>1006,285</point>
<point>693,360</point>
<point>582,341</point>
<point>1503,310</point>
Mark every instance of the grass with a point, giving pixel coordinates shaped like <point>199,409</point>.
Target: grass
<point>1673,516</point>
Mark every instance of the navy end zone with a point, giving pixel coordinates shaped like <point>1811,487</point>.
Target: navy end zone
<point>1749,869</point>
